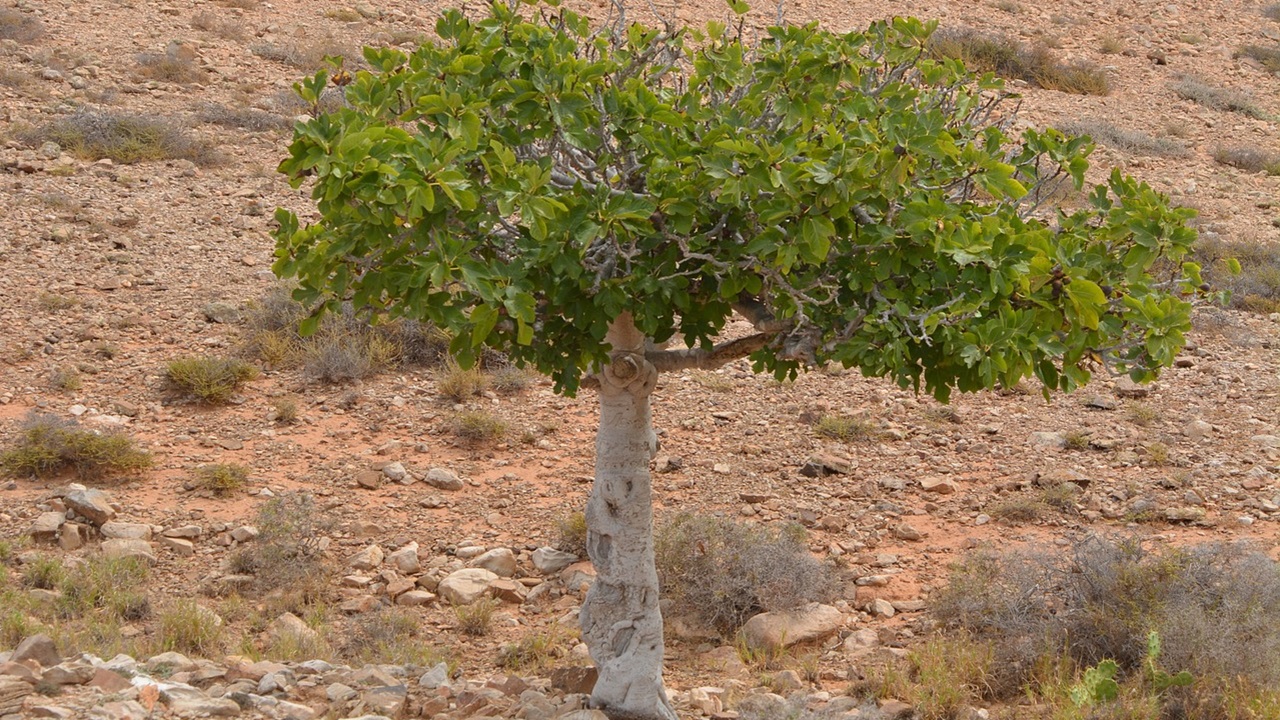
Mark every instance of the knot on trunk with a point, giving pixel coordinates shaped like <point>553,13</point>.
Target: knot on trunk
<point>629,372</point>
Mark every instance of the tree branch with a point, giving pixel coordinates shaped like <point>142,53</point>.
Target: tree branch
<point>698,359</point>
<point>758,315</point>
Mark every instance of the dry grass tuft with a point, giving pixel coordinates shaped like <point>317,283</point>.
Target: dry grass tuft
<point>19,26</point>
<point>221,479</point>
<point>1257,287</point>
<point>177,64</point>
<point>209,379</point>
<point>721,572</point>
<point>305,55</point>
<point>94,135</point>
<point>477,427</point>
<point>46,445</point>
<point>242,118</point>
<point>1130,141</point>
<point>1216,98</point>
<point>1003,56</point>
<point>212,22</point>
<point>846,429</point>
<point>1249,159</point>
<point>1268,57</point>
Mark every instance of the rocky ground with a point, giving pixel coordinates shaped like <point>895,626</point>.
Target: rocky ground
<point>111,270</point>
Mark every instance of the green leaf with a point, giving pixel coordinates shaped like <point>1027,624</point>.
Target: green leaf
<point>739,7</point>
<point>483,320</point>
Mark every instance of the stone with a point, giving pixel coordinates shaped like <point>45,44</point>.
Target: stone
<point>40,648</point>
<point>182,547</point>
<point>508,590</point>
<point>173,662</point>
<point>129,548</point>
<point>1047,439</point>
<point>1125,387</point>
<point>46,525</point>
<point>189,532</point>
<point>891,709</point>
<point>574,680</point>
<point>109,681</point>
<point>548,560</point>
<point>367,559</point>
<point>285,710</point>
<point>443,479</point>
<point>821,464</point>
<point>186,700</point>
<point>291,627</point>
<point>91,503</point>
<point>880,607</point>
<point>388,700</point>
<point>406,559</point>
<point>222,312</point>
<point>667,464</point>
<point>938,486</point>
<point>338,693</point>
<point>120,710</point>
<point>244,533</point>
<point>903,531</point>
<point>395,472</point>
<point>1185,514</point>
<point>369,479</point>
<point>12,693</point>
<point>435,677</point>
<point>74,672</point>
<point>499,561</point>
<point>785,628</point>
<point>1197,429</point>
<point>578,575</point>
<point>1099,402</point>
<point>463,587</point>
<point>415,598</point>
<point>360,605</point>
<point>125,531</point>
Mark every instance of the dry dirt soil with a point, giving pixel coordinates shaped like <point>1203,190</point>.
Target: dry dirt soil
<point>110,269</point>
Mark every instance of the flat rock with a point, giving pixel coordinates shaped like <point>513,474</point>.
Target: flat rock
<point>500,561</point>
<point>821,464</point>
<point>1047,439</point>
<point>186,700</point>
<point>814,621</point>
<point>415,598</point>
<point>126,531</point>
<point>548,560</point>
<point>91,503</point>
<point>508,590</point>
<point>406,559</point>
<point>40,648</point>
<point>577,575</point>
<point>938,486</point>
<point>435,677</point>
<point>574,680</point>
<point>443,479</point>
<point>74,672</point>
<point>1185,514</point>
<point>463,587</point>
<point>388,700</point>
<point>290,626</point>
<point>367,559</point>
<point>369,479</point>
<point>12,693</point>
<point>129,548</point>
<point>46,525</point>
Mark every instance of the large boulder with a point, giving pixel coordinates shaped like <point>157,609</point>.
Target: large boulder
<point>463,587</point>
<point>785,628</point>
<point>40,648</point>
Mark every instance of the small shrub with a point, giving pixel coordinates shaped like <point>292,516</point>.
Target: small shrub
<point>510,379</point>
<point>346,15</point>
<point>475,619</point>
<point>19,26</point>
<point>534,653</point>
<point>212,22</point>
<point>1131,141</point>
<point>1158,453</point>
<point>1257,287</point>
<point>222,479</point>
<point>1268,57</point>
<point>1272,11</point>
<point>571,534</point>
<point>241,4</point>
<point>984,52</point>
<point>1076,440</point>
<point>1249,159</point>
<point>459,385</point>
<point>306,56</point>
<point>66,379</point>
<point>209,379</point>
<point>184,626</point>
<point>1017,510</point>
<point>105,585</point>
<point>287,555</point>
<point>1143,414</point>
<point>44,573</point>
<point>389,636</point>
<point>721,573</point>
<point>285,410</point>
<point>176,64</point>
<point>1111,45</point>
<point>943,675</point>
<point>1062,496</point>
<point>53,302</point>
<point>846,429</point>
<point>94,135</point>
<point>47,445</point>
<point>1198,91</point>
<point>477,427</point>
<point>242,118</point>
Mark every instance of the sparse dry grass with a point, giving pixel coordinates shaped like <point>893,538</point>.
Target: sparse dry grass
<point>306,55</point>
<point>1248,158</point>
<point>1123,139</point>
<point>177,64</point>
<point>187,627</point>
<point>846,429</point>
<point>208,379</point>
<point>46,445</point>
<point>1216,98</point>
<point>242,118</point>
<point>221,479</point>
<point>213,22</point>
<point>1003,56</point>
<point>1268,57</point>
<point>458,384</point>
<point>19,26</point>
<point>124,138</point>
<point>477,427</point>
<point>571,534</point>
<point>1257,287</point>
<point>287,560</point>
<point>1111,44</point>
<point>391,636</point>
<point>1272,11</point>
<point>477,618</point>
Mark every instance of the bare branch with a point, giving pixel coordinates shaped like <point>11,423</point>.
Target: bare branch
<point>699,359</point>
<point>758,315</point>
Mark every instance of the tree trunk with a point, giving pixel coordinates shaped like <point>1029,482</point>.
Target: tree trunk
<point>621,622</point>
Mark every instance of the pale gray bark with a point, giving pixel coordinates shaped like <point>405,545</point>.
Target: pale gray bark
<point>621,621</point>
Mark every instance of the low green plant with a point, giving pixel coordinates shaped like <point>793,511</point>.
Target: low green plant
<point>105,586</point>
<point>510,379</point>
<point>287,559</point>
<point>209,379</point>
<point>1076,440</point>
<point>477,618</point>
<point>187,627</point>
<point>46,445</point>
<point>285,410</point>
<point>571,534</point>
<point>1143,414</point>
<point>44,572</point>
<point>534,653</point>
<point>476,427</point>
<point>123,138</point>
<point>1098,685</point>
<point>846,429</point>
<point>1017,509</point>
<point>221,479</point>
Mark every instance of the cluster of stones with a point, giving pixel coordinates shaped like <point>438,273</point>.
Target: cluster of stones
<point>77,516</point>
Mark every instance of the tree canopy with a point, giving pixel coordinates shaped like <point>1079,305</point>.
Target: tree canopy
<point>528,177</point>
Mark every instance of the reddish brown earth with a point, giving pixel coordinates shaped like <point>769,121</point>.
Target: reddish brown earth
<point>140,251</point>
